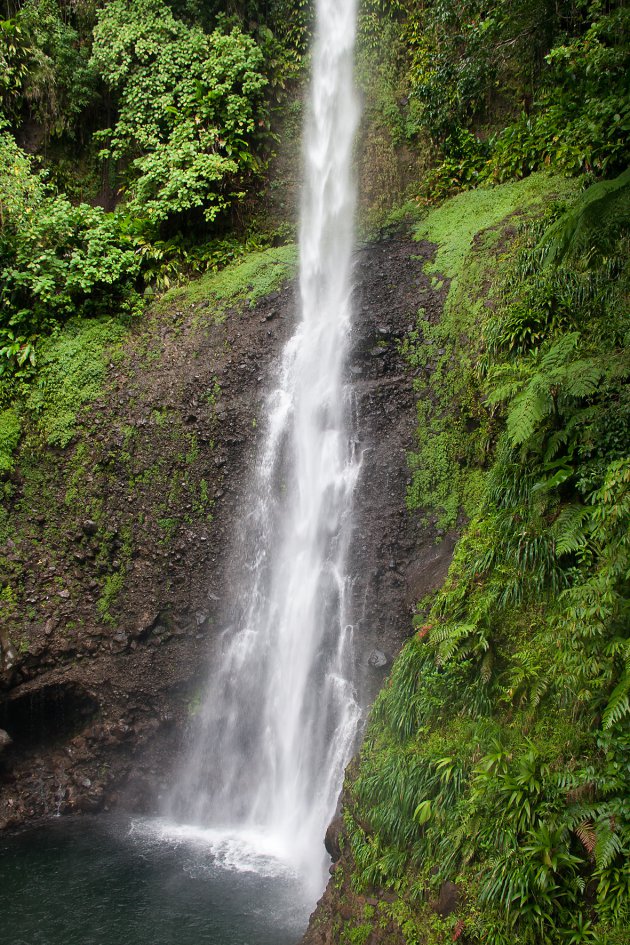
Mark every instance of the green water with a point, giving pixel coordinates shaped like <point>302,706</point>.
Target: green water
<point>93,882</point>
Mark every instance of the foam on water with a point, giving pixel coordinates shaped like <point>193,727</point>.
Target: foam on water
<point>243,851</point>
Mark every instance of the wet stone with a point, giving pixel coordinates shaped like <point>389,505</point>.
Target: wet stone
<point>377,659</point>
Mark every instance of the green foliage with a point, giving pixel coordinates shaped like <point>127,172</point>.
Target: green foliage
<point>13,61</point>
<point>59,261</point>
<point>10,430</point>
<point>499,750</point>
<point>58,84</point>
<point>72,369</point>
<point>472,63</point>
<point>593,224</point>
<point>190,107</point>
<point>47,75</point>
<point>446,462</point>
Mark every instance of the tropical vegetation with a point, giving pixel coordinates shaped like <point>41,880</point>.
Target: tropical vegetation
<point>137,149</point>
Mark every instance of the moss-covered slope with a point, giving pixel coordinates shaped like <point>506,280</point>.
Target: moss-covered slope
<point>490,799</point>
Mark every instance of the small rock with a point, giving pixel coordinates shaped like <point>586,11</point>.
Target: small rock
<point>65,594</point>
<point>90,527</point>
<point>5,740</point>
<point>377,659</point>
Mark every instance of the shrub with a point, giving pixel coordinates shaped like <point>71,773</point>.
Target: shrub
<point>190,107</point>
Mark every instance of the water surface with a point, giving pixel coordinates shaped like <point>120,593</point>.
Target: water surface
<point>96,881</point>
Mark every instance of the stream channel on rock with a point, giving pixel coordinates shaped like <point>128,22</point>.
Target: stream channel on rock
<point>235,853</point>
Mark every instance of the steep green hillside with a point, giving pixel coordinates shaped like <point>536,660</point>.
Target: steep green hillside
<point>497,755</point>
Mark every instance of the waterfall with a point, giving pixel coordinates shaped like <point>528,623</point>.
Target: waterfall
<point>278,723</point>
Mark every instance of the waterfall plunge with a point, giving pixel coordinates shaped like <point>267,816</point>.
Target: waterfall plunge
<point>278,723</point>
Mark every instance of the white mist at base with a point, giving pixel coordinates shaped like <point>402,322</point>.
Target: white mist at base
<point>280,717</point>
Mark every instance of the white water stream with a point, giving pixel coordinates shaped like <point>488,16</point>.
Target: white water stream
<point>280,716</point>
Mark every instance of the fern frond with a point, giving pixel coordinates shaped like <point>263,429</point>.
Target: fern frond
<point>607,846</point>
<point>569,529</point>
<point>583,377</point>
<point>526,412</point>
<point>618,704</point>
<point>558,354</point>
<point>595,219</point>
<point>586,834</point>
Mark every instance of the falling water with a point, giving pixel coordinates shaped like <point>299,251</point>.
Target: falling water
<point>278,724</point>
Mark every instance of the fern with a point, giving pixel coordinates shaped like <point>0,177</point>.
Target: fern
<point>607,846</point>
<point>570,530</point>
<point>618,704</point>
<point>595,220</point>
<point>586,834</point>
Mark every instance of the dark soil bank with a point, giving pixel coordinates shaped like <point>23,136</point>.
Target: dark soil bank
<point>121,545</point>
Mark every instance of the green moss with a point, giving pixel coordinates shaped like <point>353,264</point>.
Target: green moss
<point>10,430</point>
<point>112,586</point>
<point>72,371</point>
<point>243,282</point>
<point>168,527</point>
<point>454,225</point>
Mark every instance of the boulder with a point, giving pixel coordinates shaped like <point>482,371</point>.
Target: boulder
<point>377,659</point>
<point>333,838</point>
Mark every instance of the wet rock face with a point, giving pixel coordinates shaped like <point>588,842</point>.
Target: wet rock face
<point>123,607</point>
<point>332,840</point>
<point>390,547</point>
<point>122,562</point>
<point>8,660</point>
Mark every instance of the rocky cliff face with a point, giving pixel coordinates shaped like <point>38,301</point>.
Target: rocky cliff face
<point>120,549</point>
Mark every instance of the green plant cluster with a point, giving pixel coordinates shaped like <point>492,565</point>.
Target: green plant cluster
<point>474,233</point>
<point>186,94</point>
<point>47,73</point>
<point>189,107</point>
<point>498,755</point>
<point>501,89</point>
<point>59,260</point>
